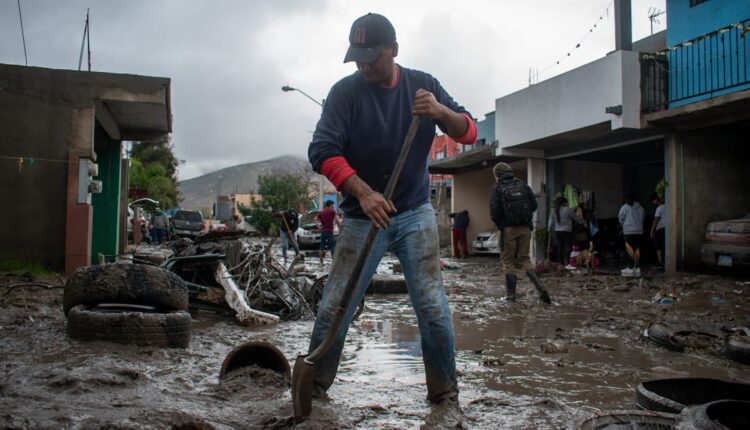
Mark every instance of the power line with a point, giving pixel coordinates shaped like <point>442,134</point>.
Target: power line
<point>534,73</point>
<point>23,35</point>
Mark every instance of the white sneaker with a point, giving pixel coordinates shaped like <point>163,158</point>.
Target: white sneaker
<point>637,272</point>
<point>626,272</point>
<point>570,267</point>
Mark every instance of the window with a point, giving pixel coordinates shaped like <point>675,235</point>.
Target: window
<point>439,155</point>
<point>696,2</point>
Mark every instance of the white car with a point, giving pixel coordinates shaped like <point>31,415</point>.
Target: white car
<point>486,243</point>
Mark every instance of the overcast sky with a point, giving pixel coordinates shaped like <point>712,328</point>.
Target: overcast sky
<point>229,59</point>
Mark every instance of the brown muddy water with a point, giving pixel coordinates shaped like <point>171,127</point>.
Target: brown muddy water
<point>523,365</point>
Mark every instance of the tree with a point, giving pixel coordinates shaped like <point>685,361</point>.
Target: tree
<point>154,169</point>
<point>279,190</point>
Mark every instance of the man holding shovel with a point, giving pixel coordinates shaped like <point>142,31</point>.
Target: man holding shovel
<point>287,229</point>
<point>355,145</point>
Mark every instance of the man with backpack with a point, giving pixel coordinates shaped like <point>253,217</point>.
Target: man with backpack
<point>512,205</point>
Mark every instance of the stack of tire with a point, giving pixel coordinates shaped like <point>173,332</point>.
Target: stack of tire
<point>127,303</point>
<point>698,403</point>
<point>728,244</point>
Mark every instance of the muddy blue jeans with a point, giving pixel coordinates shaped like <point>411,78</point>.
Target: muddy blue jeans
<point>412,237</point>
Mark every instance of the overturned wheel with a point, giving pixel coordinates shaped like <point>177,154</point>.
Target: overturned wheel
<point>130,324</point>
<point>137,284</point>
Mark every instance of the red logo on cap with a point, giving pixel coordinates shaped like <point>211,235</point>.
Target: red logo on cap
<point>359,35</point>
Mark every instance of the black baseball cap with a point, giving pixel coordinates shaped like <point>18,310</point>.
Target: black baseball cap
<point>368,36</point>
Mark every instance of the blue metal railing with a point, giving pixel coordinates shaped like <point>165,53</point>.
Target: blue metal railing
<point>715,62</point>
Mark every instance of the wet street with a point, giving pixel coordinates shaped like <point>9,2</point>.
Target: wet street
<point>521,365</point>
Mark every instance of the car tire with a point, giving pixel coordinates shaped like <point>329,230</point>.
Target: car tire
<point>130,326</point>
<point>387,284</point>
<point>126,283</point>
<point>627,419</point>
<point>661,335</point>
<point>738,349</point>
<point>315,295</point>
<point>719,415</point>
<point>675,394</point>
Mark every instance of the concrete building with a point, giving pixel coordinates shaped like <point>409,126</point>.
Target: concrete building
<point>582,127</point>
<point>61,134</point>
<point>701,103</point>
<point>674,105</point>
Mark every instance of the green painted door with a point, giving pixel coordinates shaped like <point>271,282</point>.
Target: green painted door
<point>105,234</point>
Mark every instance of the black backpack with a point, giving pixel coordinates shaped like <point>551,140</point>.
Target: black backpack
<point>514,199</point>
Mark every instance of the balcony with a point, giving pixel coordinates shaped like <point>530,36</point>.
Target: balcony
<point>714,64</point>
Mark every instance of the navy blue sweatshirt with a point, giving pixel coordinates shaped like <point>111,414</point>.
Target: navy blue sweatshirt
<point>367,123</point>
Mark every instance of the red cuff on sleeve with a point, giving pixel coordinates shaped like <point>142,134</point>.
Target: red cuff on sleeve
<point>337,170</point>
<point>471,133</point>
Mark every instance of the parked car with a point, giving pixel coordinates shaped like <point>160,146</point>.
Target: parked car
<point>144,204</point>
<point>188,223</point>
<point>246,226</point>
<point>728,243</point>
<point>486,243</point>
<point>219,227</point>
<point>308,233</point>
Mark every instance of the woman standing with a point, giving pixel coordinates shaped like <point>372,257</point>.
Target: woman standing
<point>561,222</point>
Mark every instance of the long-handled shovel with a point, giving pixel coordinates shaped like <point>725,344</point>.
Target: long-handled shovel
<point>304,366</point>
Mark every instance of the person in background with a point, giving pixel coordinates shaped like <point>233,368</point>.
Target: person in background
<point>160,225</point>
<point>458,232</point>
<point>631,218</point>
<point>561,223</point>
<point>512,205</point>
<point>658,228</point>
<point>325,220</point>
<point>289,225</point>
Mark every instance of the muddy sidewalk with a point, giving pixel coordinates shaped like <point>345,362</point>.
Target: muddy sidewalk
<point>522,365</point>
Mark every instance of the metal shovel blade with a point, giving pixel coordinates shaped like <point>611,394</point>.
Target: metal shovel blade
<point>544,296</point>
<point>302,386</point>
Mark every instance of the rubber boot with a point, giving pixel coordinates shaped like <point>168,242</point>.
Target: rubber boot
<point>543,294</point>
<point>510,287</point>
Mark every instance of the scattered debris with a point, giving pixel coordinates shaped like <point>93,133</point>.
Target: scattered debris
<point>554,347</point>
<point>664,298</point>
<point>255,285</point>
<point>236,300</point>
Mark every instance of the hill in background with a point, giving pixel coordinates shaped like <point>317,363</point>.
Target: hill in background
<point>200,193</point>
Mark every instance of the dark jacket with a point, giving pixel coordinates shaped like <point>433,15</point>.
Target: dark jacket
<point>496,205</point>
<point>460,220</point>
<point>366,124</point>
<point>292,219</point>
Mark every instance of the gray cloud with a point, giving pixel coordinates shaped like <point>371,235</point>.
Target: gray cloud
<point>228,59</point>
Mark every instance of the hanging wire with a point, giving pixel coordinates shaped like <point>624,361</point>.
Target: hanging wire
<point>578,44</point>
<point>23,35</point>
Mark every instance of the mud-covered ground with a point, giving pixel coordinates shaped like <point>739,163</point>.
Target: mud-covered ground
<point>521,365</point>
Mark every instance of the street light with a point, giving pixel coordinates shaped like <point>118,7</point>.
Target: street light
<point>286,89</point>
